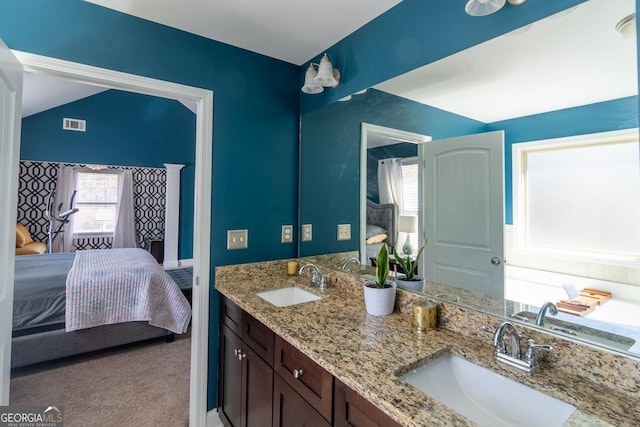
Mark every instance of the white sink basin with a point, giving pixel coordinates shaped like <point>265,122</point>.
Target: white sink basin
<point>485,397</point>
<point>288,296</point>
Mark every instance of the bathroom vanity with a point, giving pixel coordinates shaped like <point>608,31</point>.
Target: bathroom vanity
<point>326,362</point>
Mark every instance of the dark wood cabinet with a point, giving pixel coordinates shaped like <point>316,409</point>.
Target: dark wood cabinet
<point>291,410</point>
<point>246,370</point>
<point>353,410</point>
<point>265,381</point>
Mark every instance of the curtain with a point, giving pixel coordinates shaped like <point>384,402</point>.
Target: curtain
<point>65,187</point>
<point>124,235</point>
<point>390,182</point>
<point>390,186</point>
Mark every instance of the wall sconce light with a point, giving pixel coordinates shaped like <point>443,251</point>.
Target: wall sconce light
<point>627,26</point>
<point>487,7</point>
<point>315,80</point>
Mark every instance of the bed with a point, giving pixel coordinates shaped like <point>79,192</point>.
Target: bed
<point>76,302</point>
<point>382,223</point>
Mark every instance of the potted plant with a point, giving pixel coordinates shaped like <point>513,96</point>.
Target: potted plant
<point>409,280</point>
<point>380,294</point>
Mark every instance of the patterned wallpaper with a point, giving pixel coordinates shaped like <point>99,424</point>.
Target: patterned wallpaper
<point>38,178</point>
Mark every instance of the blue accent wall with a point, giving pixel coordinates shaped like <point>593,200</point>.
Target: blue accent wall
<point>330,158</point>
<point>255,118</point>
<point>123,129</point>
<point>593,118</point>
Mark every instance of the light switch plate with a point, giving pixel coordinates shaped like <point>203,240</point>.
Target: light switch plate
<point>237,239</point>
<point>287,234</point>
<point>307,232</point>
<point>344,231</point>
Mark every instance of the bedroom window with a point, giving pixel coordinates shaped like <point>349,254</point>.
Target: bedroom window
<point>578,197</point>
<point>96,199</point>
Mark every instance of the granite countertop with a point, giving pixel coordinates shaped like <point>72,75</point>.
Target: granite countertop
<point>368,353</point>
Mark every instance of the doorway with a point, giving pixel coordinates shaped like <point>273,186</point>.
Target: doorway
<point>202,194</point>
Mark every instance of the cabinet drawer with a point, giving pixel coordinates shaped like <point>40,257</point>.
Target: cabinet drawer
<point>353,410</point>
<point>258,337</point>
<point>231,315</point>
<point>308,378</point>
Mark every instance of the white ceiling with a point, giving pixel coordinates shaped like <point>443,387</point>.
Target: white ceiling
<point>572,59</point>
<point>41,93</point>
<point>291,30</point>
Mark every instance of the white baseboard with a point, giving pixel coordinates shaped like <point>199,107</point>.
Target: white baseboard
<point>213,420</point>
<point>185,262</point>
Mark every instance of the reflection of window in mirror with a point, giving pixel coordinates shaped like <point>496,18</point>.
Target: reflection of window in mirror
<point>410,196</point>
<point>578,198</point>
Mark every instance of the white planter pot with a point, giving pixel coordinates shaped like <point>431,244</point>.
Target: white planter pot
<point>380,301</point>
<point>416,285</point>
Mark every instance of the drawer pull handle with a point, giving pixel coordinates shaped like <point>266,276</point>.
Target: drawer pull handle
<point>236,351</point>
<point>297,373</point>
<point>241,355</point>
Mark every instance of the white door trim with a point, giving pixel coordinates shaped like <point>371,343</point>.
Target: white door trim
<point>202,197</point>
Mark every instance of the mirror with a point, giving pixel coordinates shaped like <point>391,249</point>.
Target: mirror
<point>330,155</point>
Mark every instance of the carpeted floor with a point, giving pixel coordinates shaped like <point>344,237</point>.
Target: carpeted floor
<point>144,384</point>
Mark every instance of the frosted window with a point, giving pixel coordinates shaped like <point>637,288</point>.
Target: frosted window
<point>584,198</point>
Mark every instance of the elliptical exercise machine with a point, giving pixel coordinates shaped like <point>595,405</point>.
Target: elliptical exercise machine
<point>61,218</point>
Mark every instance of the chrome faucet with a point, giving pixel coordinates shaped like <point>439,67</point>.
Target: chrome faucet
<point>514,340</point>
<point>350,260</point>
<point>317,279</point>
<point>513,356</point>
<point>547,306</point>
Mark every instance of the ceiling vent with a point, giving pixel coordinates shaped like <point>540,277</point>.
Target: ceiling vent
<point>74,124</point>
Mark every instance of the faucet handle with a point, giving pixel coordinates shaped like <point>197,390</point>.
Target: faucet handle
<point>531,351</point>
<point>323,281</point>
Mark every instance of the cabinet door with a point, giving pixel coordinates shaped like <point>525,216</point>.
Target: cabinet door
<point>353,410</point>
<point>291,410</point>
<point>230,378</point>
<point>258,399</point>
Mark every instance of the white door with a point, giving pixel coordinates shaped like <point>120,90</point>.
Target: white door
<point>10,119</point>
<point>464,212</point>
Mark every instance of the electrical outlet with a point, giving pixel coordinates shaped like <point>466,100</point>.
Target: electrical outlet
<point>287,234</point>
<point>344,231</point>
<point>237,239</point>
<point>307,232</point>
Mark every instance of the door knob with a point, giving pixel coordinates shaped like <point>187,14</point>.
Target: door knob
<point>495,260</point>
<point>297,373</point>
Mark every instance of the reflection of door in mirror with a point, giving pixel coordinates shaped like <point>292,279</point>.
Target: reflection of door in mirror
<point>464,212</point>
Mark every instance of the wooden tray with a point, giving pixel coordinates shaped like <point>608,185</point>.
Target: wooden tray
<point>586,301</point>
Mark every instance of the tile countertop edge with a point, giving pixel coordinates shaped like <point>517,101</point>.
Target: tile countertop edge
<point>343,321</point>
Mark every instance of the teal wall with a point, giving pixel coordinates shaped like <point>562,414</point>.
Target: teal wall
<point>255,118</point>
<point>123,129</point>
<point>330,159</point>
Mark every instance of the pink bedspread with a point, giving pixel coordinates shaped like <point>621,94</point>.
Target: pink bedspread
<point>109,286</point>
